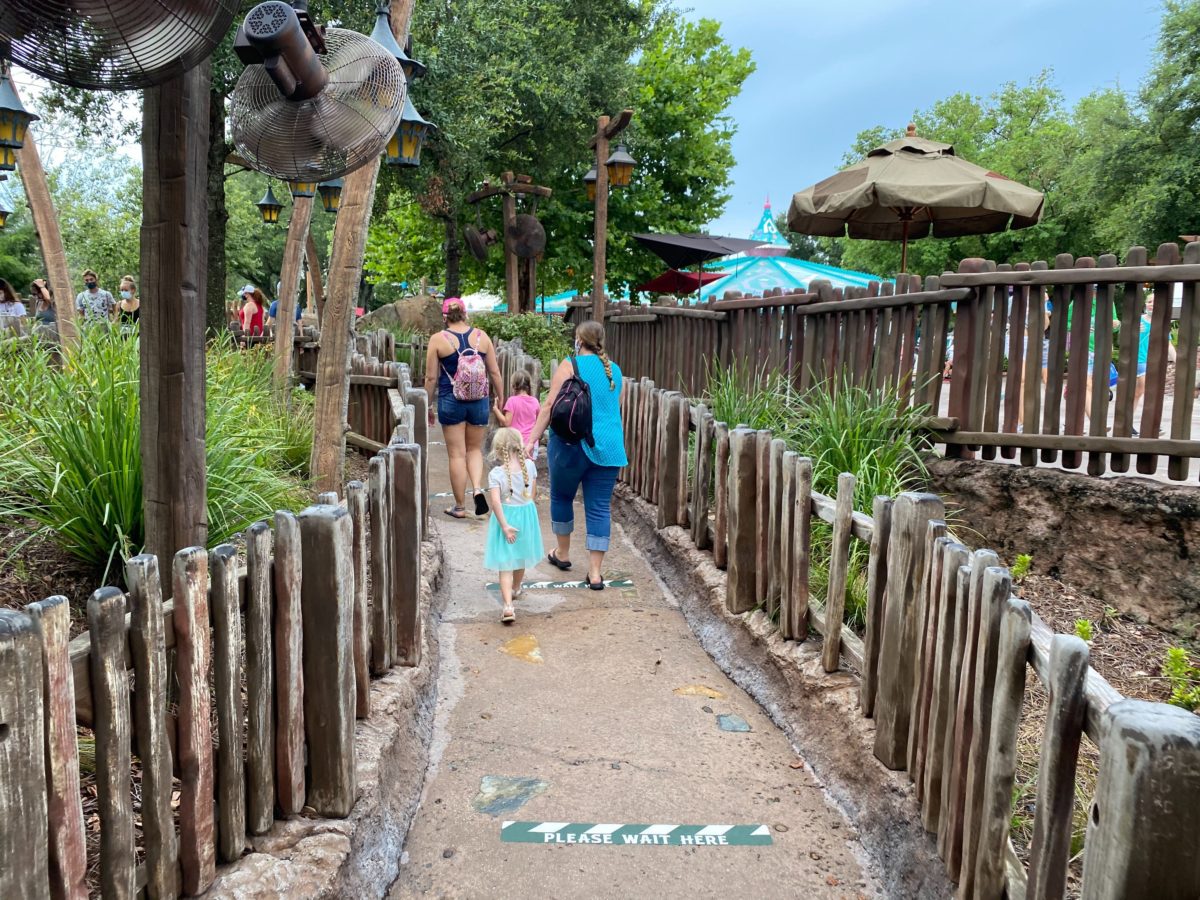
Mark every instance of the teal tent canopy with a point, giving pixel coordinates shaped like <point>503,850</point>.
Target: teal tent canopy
<point>754,275</point>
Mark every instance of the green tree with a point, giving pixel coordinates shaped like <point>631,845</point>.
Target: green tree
<point>99,205</point>
<point>20,256</point>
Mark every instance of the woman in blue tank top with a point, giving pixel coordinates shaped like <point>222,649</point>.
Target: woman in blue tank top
<point>594,468</point>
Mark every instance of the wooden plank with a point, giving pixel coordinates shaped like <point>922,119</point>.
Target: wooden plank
<point>197,844</point>
<point>786,542</point>
<point>927,612</point>
<point>1139,272</point>
<point>702,484</point>
<point>721,497</point>
<point>996,808</point>
<point>23,788</point>
<point>668,471</point>
<point>1127,360</point>
<point>943,688</point>
<point>1072,442</point>
<point>839,568</point>
<point>1183,401</point>
<point>1050,849</point>
<point>797,620</point>
<point>811,304</point>
<point>1056,356</point>
<point>1141,835</point>
<point>995,310</point>
<point>682,506</point>
<point>906,557</point>
<point>419,401</point>
<point>67,852</point>
<point>881,514</point>
<point>354,439</point>
<point>406,553</point>
<point>327,604</point>
<point>227,691</point>
<point>774,540</point>
<point>1098,413</point>
<point>741,590</point>
<point>260,682</point>
<point>1080,327</point>
<point>380,560</point>
<point>997,584</point>
<point>149,652</point>
<point>1100,694</point>
<point>293,254</point>
<point>953,738</point>
<point>356,505</point>
<point>110,685</point>
<point>1156,361</point>
<point>762,514</point>
<point>288,634</point>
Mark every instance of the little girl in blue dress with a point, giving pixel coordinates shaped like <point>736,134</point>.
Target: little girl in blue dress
<point>514,538</point>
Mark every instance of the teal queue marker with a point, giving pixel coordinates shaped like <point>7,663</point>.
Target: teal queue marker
<point>559,585</point>
<point>636,835</point>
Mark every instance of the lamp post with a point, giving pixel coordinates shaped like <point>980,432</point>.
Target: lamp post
<point>619,168</point>
<point>404,148</point>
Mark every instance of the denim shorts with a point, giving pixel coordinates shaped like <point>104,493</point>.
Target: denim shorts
<point>452,411</point>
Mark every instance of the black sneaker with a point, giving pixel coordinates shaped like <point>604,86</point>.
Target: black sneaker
<point>481,504</point>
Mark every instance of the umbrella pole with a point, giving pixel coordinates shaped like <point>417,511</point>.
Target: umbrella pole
<point>904,247</point>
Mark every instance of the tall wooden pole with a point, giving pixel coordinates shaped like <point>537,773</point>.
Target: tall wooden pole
<point>174,251</point>
<point>600,246</point>
<point>512,280</point>
<point>293,257</point>
<point>45,223</point>
<point>345,271</point>
<point>317,304</point>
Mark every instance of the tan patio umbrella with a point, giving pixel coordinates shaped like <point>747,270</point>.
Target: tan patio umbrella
<point>911,188</point>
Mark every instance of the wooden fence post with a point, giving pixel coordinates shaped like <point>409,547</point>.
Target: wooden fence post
<point>702,483</point>
<point>1141,835</point>
<point>288,637</point>
<point>1050,850</point>
<point>721,497</point>
<point>897,650</point>
<point>925,608</point>
<point>23,818</point>
<point>668,462</point>
<point>762,502</point>
<point>381,544</point>
<point>419,401</point>
<point>147,646</point>
<point>406,552</point>
<point>839,568</point>
<point>327,603</point>
<point>356,505</point>
<point>797,619</point>
<point>785,537</point>
<point>775,504</point>
<point>881,515</point>
<point>741,593</point>
<point>110,693</point>
<point>227,681</point>
<point>260,684</point>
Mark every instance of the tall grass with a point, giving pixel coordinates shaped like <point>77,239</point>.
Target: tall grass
<point>70,447</point>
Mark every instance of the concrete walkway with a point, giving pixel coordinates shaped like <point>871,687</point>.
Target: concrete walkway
<point>600,707</point>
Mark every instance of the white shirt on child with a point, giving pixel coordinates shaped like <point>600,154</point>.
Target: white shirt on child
<point>516,488</point>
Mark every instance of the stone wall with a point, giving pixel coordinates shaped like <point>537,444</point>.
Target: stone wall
<point>1131,542</point>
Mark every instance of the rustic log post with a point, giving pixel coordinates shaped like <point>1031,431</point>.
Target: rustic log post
<point>775,501</point>
<point>721,497</point>
<point>703,480</point>
<point>227,683</point>
<point>787,505</point>
<point>285,328</point>
<point>881,515</point>
<point>288,638</point>
<point>419,401</point>
<point>797,620</point>
<point>1141,835</point>
<point>741,590</point>
<point>897,649</point>
<point>110,691</point>
<point>762,513</point>
<point>260,683</point>
<point>381,544</point>
<point>668,459</point>
<point>406,552</point>
<point>23,818</point>
<point>315,284</point>
<point>925,609</point>
<point>996,808</point>
<point>839,568</point>
<point>356,504</point>
<point>600,238</point>
<point>327,602</point>
<point>1050,850</point>
<point>147,645</point>
<point>337,321</point>
<point>174,253</point>
<point>45,223</point>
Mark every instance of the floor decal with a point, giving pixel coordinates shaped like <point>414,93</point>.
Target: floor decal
<point>558,585</point>
<point>660,835</point>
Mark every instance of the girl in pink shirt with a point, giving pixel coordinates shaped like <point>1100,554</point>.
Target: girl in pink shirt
<point>521,409</point>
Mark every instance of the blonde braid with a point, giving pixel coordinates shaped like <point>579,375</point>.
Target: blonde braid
<point>612,385</point>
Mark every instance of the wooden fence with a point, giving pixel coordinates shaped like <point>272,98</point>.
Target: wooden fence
<point>1016,387</point>
<point>942,663</point>
<point>281,647</point>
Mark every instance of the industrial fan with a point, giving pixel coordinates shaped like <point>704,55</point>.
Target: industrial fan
<point>478,241</point>
<point>112,44</point>
<point>314,103</point>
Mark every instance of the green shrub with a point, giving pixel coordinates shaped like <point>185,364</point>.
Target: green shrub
<point>544,337</point>
<point>70,452</point>
<point>1085,630</point>
<point>1184,679</point>
<point>743,395</point>
<point>1020,568</point>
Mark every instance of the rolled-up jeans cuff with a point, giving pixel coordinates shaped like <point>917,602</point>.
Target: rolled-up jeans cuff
<point>562,527</point>
<point>599,544</point>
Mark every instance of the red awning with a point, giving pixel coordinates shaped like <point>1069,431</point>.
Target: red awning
<point>673,281</point>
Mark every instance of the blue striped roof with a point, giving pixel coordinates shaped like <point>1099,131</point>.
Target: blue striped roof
<point>758,274</point>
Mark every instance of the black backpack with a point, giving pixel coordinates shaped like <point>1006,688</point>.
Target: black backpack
<point>571,414</point>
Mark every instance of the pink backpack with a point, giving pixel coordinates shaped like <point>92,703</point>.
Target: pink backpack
<point>469,382</point>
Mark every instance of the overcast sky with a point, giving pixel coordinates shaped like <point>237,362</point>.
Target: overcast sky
<point>827,70</point>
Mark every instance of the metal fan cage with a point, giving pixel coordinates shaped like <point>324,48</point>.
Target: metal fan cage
<point>342,128</point>
<point>112,44</point>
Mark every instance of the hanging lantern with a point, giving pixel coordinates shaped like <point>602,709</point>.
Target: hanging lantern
<point>620,167</point>
<point>14,120</point>
<point>382,35</point>
<point>269,207</point>
<point>404,149</point>
<point>412,68</point>
<point>331,194</point>
<point>5,212</point>
<point>590,181</point>
<point>302,189</point>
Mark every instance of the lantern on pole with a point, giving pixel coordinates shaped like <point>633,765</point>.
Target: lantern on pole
<point>269,207</point>
<point>620,167</point>
<point>331,194</point>
<point>404,149</point>
<point>14,120</point>
<point>589,181</point>
<point>302,189</point>
<point>5,212</point>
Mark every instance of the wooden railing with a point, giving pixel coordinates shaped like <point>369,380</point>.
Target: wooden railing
<point>942,662</point>
<point>289,640</point>
<point>1016,385</point>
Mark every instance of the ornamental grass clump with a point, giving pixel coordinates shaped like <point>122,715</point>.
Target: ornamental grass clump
<point>70,452</point>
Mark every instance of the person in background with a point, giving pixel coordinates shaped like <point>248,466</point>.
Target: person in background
<point>10,305</point>
<point>521,408</point>
<point>252,311</point>
<point>1143,356</point>
<point>42,300</point>
<point>273,312</point>
<point>93,303</point>
<point>129,307</point>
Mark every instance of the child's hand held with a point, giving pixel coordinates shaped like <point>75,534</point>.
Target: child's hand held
<point>510,534</point>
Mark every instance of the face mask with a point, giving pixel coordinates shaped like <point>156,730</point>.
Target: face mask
<point>90,285</point>
<point>125,295</point>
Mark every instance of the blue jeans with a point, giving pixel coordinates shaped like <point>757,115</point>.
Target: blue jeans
<point>570,467</point>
